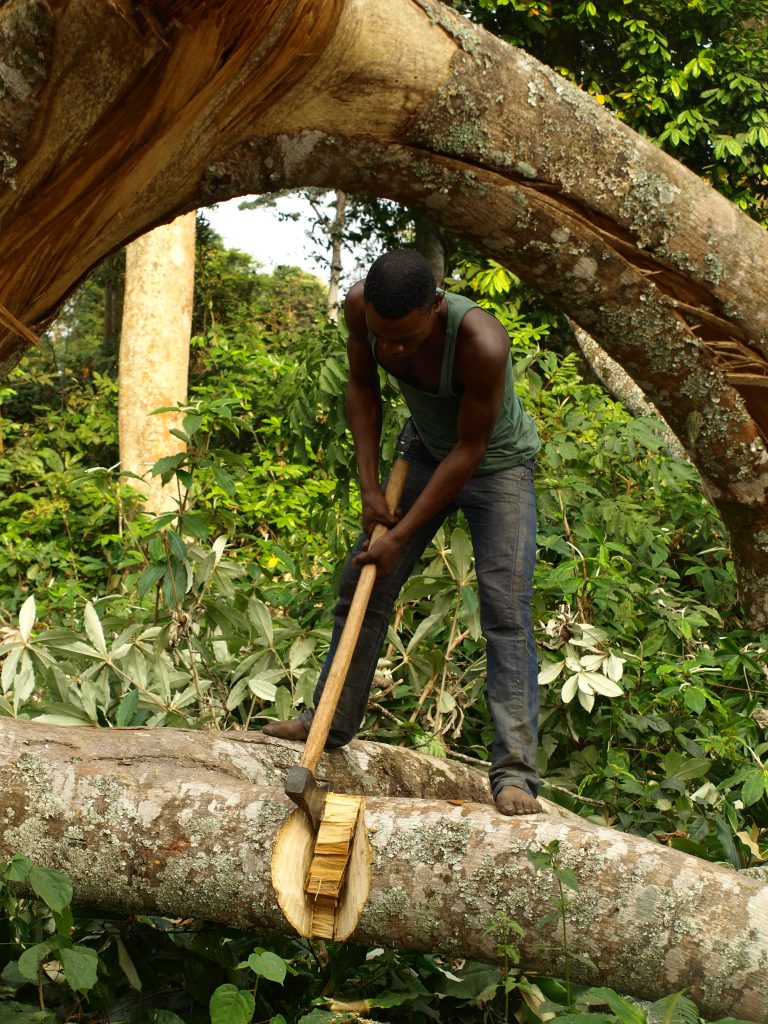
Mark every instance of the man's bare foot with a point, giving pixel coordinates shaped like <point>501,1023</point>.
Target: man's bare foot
<point>289,730</point>
<point>512,800</point>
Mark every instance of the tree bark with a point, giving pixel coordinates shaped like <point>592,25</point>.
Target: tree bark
<point>154,354</point>
<point>428,240</point>
<point>337,235</point>
<point>191,104</point>
<point>183,823</point>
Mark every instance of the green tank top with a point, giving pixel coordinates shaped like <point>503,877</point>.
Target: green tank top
<point>514,438</point>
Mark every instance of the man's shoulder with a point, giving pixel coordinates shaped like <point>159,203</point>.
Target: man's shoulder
<point>481,336</point>
<point>354,310</point>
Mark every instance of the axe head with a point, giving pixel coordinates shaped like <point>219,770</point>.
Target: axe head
<point>301,786</point>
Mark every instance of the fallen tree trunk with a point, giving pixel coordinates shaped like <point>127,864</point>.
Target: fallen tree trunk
<point>183,823</point>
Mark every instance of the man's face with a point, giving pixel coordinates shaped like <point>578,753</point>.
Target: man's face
<point>400,337</point>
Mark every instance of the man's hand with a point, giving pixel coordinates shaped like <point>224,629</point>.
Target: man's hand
<point>383,553</point>
<point>375,511</point>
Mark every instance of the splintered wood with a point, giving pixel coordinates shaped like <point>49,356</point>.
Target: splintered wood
<point>292,864</point>
<point>327,872</point>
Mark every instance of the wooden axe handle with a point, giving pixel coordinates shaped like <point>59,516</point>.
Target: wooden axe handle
<point>334,684</point>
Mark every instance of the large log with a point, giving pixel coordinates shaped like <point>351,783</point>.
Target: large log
<point>183,823</point>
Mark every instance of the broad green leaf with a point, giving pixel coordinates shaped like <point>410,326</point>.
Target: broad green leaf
<point>27,616</point>
<point>230,1005</point>
<point>437,619</point>
<point>268,965</point>
<point>676,1009</point>
<point>177,545</point>
<point>52,887</point>
<point>570,687</point>
<point>475,981</point>
<point>24,681</point>
<point>94,629</point>
<point>193,523</point>
<point>18,868</point>
<point>149,578</point>
<point>65,922</point>
<point>224,479</point>
<point>624,1011</point>
<point>30,959</point>
<point>127,708</point>
<point>165,467</point>
<point>568,878</point>
<point>237,694</point>
<point>446,702</point>
<point>754,786</point>
<point>461,551</point>
<point>10,664</point>
<point>264,684</point>
<point>550,670</point>
<point>587,700</point>
<point>63,715</point>
<point>692,768</point>
<point>695,699</point>
<point>603,685</point>
<point>80,967</point>
<point>283,702</point>
<point>300,651</point>
<point>259,615</point>
<point>191,423</point>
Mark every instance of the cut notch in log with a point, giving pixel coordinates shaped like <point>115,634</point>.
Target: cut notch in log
<point>327,873</point>
<point>292,863</point>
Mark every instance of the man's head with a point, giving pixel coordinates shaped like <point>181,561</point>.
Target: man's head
<point>399,282</point>
<point>401,302</point>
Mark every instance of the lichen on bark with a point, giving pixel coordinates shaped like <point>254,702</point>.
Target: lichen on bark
<point>26,37</point>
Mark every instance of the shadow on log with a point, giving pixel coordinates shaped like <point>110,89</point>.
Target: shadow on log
<point>183,823</point>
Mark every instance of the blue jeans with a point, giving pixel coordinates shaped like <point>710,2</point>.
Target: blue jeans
<point>500,509</point>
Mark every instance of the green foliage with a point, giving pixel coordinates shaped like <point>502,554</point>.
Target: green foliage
<point>59,965</point>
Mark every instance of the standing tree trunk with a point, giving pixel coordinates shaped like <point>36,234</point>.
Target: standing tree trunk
<point>620,386</point>
<point>337,237</point>
<point>428,239</point>
<point>195,103</point>
<point>154,354</point>
<point>193,818</point>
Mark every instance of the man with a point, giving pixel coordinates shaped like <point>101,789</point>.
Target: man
<point>473,449</point>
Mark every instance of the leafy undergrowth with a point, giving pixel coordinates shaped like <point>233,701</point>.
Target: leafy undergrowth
<point>160,971</point>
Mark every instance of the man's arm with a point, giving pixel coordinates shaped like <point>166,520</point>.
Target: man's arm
<point>364,411</point>
<point>481,357</point>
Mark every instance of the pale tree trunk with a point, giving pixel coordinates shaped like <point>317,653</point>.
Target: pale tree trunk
<point>192,823</point>
<point>196,103</point>
<point>154,354</point>
<point>337,237</point>
<point>428,239</point>
<point>620,386</point>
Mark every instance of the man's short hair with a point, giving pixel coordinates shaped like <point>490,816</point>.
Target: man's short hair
<point>399,282</point>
